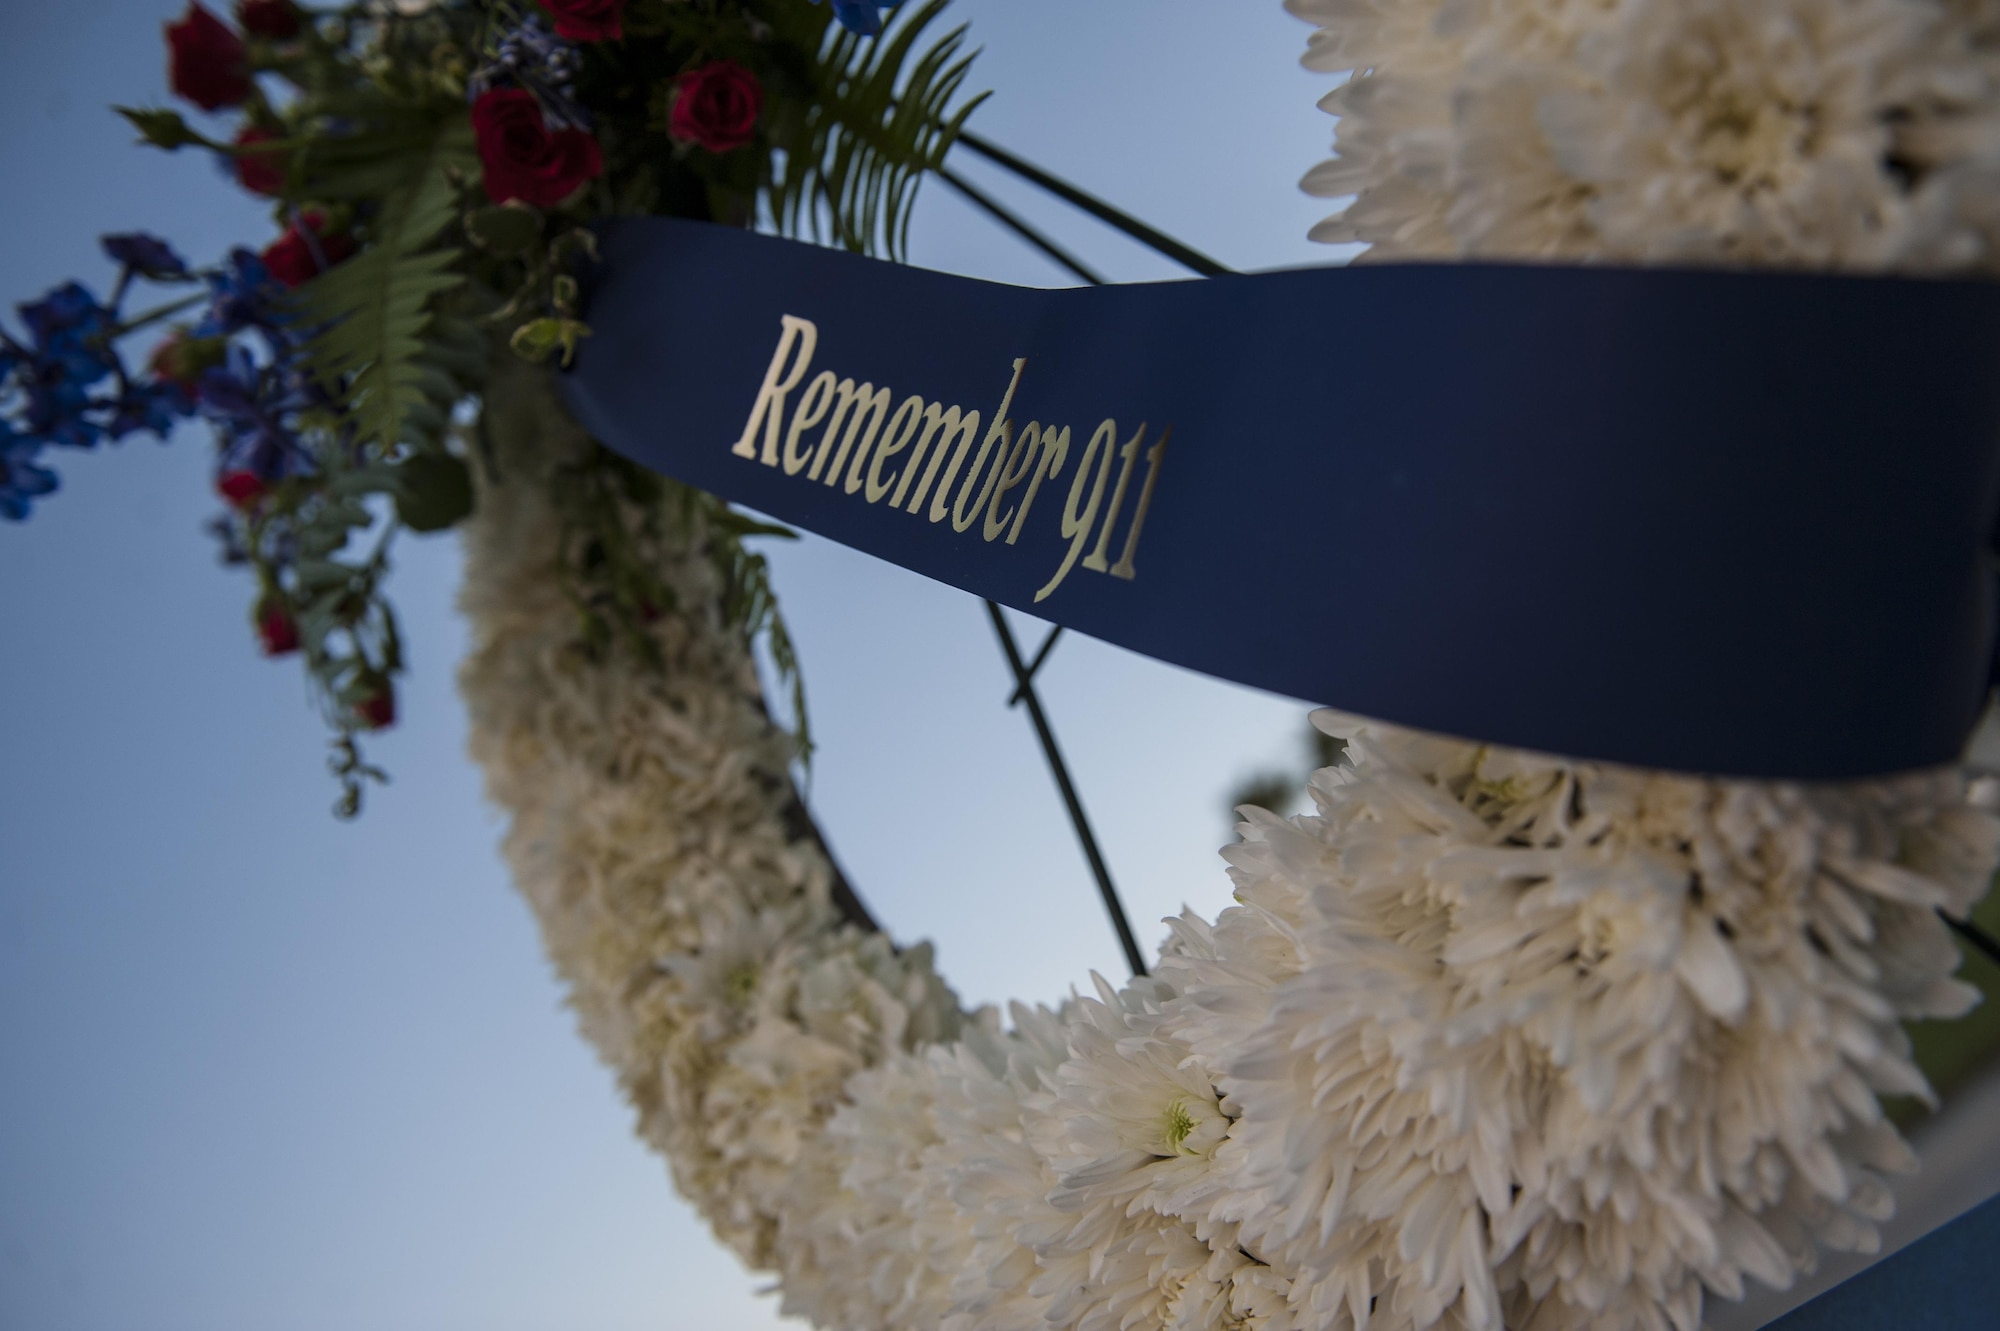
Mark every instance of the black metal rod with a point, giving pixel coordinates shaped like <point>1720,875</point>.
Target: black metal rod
<point>1976,936</point>
<point>1061,770</point>
<point>1184,255</point>
<point>1035,666</point>
<point>1013,222</point>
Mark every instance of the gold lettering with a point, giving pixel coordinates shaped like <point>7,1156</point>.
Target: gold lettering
<point>1123,568</point>
<point>1012,471</point>
<point>769,408</point>
<point>1095,562</point>
<point>943,424</point>
<point>1076,526</point>
<point>812,410</point>
<point>874,407</point>
<point>1001,432</point>
<point>1055,452</point>
<point>892,444</point>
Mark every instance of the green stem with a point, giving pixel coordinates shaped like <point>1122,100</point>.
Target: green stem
<point>158,313</point>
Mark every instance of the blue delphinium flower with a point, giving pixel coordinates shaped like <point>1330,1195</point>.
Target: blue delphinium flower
<point>862,16</point>
<point>242,295</point>
<point>21,480</point>
<point>69,354</point>
<point>253,407</point>
<point>153,406</point>
<point>146,255</point>
<point>530,56</point>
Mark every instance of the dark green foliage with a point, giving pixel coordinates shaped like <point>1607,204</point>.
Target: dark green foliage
<point>874,121</point>
<point>433,492</point>
<point>164,129</point>
<point>374,310</point>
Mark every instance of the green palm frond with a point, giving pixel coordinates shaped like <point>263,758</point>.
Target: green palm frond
<point>877,119</point>
<point>376,311</point>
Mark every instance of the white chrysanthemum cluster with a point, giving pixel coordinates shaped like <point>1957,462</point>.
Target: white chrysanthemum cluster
<point>1490,1040</point>
<point>1514,1040</point>
<point>1852,134</point>
<point>704,957</point>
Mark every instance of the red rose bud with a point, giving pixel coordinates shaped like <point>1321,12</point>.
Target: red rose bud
<point>206,62</point>
<point>523,158</point>
<point>261,172</point>
<point>241,488</point>
<point>277,631</point>
<point>716,106</point>
<point>180,359</point>
<point>377,711</point>
<point>587,20</point>
<point>290,258</point>
<point>274,20</point>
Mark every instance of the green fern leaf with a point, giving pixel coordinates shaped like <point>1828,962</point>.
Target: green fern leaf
<point>375,311</point>
<point>877,120</point>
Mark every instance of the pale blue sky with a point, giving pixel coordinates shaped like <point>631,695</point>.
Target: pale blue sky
<point>265,1070</point>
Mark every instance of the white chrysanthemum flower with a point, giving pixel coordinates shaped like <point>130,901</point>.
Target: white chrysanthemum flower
<point>1849,133</point>
<point>984,1168</point>
<point>744,957</point>
<point>1129,1130</point>
<point>1611,1035</point>
<point>1137,1120</point>
<point>850,1250</point>
<point>1758,131</point>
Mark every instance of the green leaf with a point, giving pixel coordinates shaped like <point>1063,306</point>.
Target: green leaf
<point>165,129</point>
<point>538,339</point>
<point>433,492</point>
<point>507,230</point>
<point>877,118</point>
<point>376,309</point>
<point>738,523</point>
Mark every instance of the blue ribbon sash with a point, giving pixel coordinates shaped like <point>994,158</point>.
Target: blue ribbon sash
<point>1937,1283</point>
<point>1734,523</point>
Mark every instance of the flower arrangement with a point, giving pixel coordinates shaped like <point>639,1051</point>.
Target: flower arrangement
<point>1490,1039</point>
<point>432,170</point>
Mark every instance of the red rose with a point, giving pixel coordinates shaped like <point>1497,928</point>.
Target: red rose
<point>277,20</point>
<point>587,20</point>
<point>716,106</point>
<point>206,62</point>
<point>377,711</point>
<point>290,258</point>
<point>241,488</point>
<point>260,173</point>
<point>277,631</point>
<point>523,157</point>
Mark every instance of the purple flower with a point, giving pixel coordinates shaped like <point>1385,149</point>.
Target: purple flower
<point>146,255</point>
<point>862,16</point>
<point>21,480</point>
